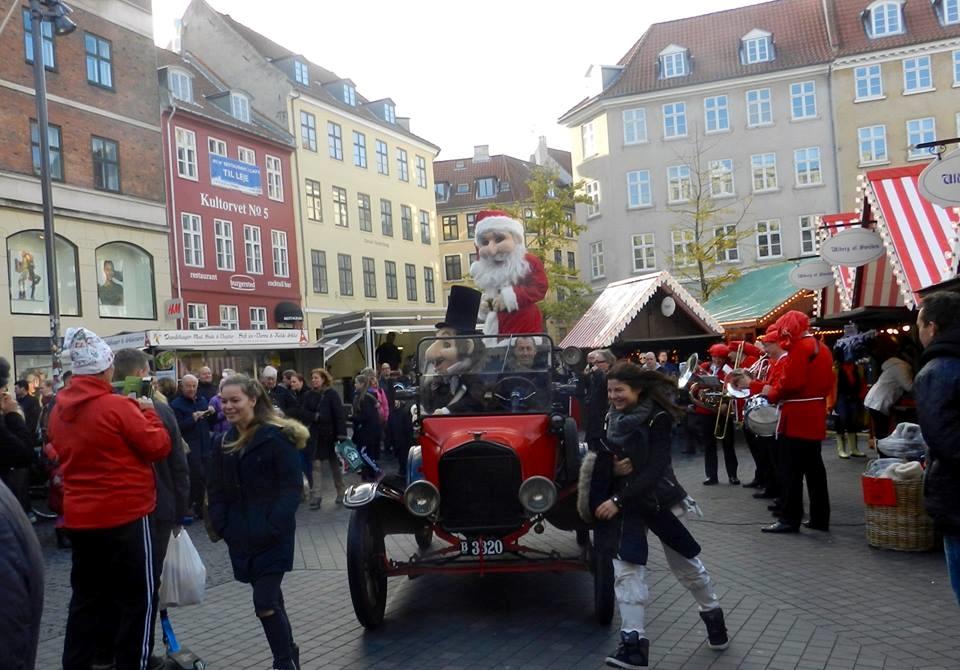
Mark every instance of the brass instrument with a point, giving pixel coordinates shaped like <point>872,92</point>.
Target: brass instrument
<point>727,399</point>
<point>761,368</point>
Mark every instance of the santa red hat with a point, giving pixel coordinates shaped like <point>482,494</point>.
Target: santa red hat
<point>772,334</point>
<point>498,220</point>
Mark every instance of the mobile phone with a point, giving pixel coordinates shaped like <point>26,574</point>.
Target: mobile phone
<point>138,386</point>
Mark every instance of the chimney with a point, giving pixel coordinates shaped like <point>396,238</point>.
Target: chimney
<point>404,122</point>
<point>481,153</point>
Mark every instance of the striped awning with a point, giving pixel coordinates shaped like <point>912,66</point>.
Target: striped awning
<point>920,237</point>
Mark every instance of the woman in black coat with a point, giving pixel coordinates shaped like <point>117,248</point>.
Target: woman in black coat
<point>633,488</point>
<point>328,425</point>
<point>366,425</point>
<point>254,488</point>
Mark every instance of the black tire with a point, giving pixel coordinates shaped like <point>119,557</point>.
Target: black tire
<point>424,537</point>
<point>365,567</point>
<point>604,598</point>
<point>571,451</point>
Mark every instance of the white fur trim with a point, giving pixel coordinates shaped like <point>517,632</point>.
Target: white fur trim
<point>491,324</point>
<point>583,486</point>
<point>509,296</point>
<point>504,223</point>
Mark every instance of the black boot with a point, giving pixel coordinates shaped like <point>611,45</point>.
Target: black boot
<point>716,629</point>
<point>633,651</point>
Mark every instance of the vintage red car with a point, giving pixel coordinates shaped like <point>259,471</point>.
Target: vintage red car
<point>498,457</point>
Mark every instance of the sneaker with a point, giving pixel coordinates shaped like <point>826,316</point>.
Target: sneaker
<point>716,629</point>
<point>633,651</point>
<point>315,504</point>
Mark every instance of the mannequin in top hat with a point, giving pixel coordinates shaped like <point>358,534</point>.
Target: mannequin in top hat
<point>512,280</point>
<point>452,359</point>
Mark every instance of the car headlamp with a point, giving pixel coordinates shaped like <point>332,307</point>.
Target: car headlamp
<point>421,498</point>
<point>538,494</point>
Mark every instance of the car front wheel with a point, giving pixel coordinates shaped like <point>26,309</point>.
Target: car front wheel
<point>366,567</point>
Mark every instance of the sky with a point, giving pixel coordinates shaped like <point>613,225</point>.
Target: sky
<point>498,72</point>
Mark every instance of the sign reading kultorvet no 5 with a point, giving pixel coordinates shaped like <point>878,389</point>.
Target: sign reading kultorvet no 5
<point>852,247</point>
<point>940,181</point>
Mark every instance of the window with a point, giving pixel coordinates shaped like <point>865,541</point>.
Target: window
<point>872,141</point>
<point>450,228</point>
<point>806,166</point>
<point>106,164</point>
<point>486,187</point>
<point>421,172</point>
<point>759,107</point>
<point>885,19</point>
<point>593,192</point>
<point>383,158</point>
<point>757,50</point>
<point>950,12</point>
<point>429,290</point>
<point>917,75</point>
<point>390,271</point>
<point>410,271</point>
<point>240,107</point>
<point>245,155</point>
<point>216,147</point>
<point>721,178</point>
<point>192,240</point>
<point>451,267</point>
<point>253,251</point>
<point>274,178</point>
<point>258,318</point>
<point>369,269</point>
<point>223,240</point>
<point>364,213</point>
<point>281,261</point>
<point>314,201</point>
<point>587,144</point>
<point>308,131</point>
<point>463,188</point>
<point>678,183</point>
<point>318,264</point>
<point>196,316</point>
<point>441,191</point>
<point>768,239</point>
<point>180,85</point>
<point>350,95</point>
<point>229,317</point>
<point>764,169</point>
<point>725,241</point>
<point>472,258</point>
<point>125,282</point>
<point>956,66</point>
<point>99,60</point>
<point>334,140</point>
<point>389,113</point>
<point>572,261</point>
<point>803,100</point>
<point>638,189</point>
<point>918,132</point>
<point>869,82</point>
<point>644,252</point>
<point>558,257</point>
<point>471,226</point>
<point>301,73</point>
<point>402,166</point>
<point>597,269</point>
<point>673,63</point>
<point>808,235</point>
<point>186,153</point>
<point>359,149</point>
<point>406,222</point>
<point>340,217</point>
<point>634,126</point>
<point>424,226</point>
<point>56,153</point>
<point>345,272</point>
<point>683,250</point>
<point>27,274</point>
<point>504,186</point>
<point>386,217</point>
<point>715,113</point>
<point>675,119</point>
<point>46,32</point>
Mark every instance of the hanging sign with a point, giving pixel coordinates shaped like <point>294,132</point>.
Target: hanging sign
<point>233,174</point>
<point>940,181</point>
<point>852,247</point>
<point>813,275</point>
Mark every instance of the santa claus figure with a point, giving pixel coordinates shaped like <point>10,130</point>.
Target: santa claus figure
<point>512,280</point>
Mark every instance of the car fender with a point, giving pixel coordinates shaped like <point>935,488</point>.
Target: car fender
<point>365,493</point>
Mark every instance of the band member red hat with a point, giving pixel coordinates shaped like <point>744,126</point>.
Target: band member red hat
<point>772,333</point>
<point>719,350</point>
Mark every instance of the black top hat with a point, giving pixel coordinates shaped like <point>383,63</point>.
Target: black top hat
<point>463,306</point>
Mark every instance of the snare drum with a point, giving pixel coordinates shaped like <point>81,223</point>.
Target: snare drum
<point>761,417</point>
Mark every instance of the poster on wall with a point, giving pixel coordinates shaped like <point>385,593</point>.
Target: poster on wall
<point>125,287</point>
<point>235,175</point>
<point>27,266</point>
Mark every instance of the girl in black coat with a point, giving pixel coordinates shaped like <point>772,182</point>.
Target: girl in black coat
<point>366,425</point>
<point>254,488</point>
<point>328,425</point>
<point>633,488</point>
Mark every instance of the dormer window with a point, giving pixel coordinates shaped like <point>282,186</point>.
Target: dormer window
<point>390,113</point>
<point>460,165</point>
<point>240,107</point>
<point>948,11</point>
<point>486,187</point>
<point>884,17</point>
<point>350,95</point>
<point>673,62</point>
<point>301,73</point>
<point>442,190</point>
<point>756,47</point>
<point>180,85</point>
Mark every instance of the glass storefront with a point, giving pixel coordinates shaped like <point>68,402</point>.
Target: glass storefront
<point>125,287</point>
<point>28,274</point>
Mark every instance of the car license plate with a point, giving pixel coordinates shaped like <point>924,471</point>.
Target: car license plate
<point>481,547</point>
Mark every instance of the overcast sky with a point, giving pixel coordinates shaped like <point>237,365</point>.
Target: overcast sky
<point>498,72</point>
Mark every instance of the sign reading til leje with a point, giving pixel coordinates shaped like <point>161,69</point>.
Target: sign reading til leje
<point>813,275</point>
<point>852,247</point>
<point>940,181</point>
<point>233,174</point>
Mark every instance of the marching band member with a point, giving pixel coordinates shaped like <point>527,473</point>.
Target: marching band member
<point>768,371</point>
<point>705,421</point>
<point>802,389</point>
<point>753,368</point>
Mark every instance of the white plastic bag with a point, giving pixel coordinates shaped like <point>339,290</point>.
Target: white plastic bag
<point>184,577</point>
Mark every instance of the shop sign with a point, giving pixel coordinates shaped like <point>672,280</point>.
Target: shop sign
<point>243,283</point>
<point>241,208</point>
<point>940,181</point>
<point>136,340</point>
<point>233,174</point>
<point>813,275</point>
<point>852,247</point>
<point>227,338</point>
<point>173,309</point>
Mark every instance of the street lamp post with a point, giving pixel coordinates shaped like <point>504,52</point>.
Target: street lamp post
<point>55,12</point>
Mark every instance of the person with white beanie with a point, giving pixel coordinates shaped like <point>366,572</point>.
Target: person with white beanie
<point>280,395</point>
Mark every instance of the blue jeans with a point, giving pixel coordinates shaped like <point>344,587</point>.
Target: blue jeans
<point>951,547</point>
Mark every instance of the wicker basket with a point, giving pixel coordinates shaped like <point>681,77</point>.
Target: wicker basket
<point>905,526</point>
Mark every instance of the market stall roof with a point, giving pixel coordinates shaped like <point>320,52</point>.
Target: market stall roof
<point>622,301</point>
<point>756,296</point>
<point>334,345</point>
<point>397,320</point>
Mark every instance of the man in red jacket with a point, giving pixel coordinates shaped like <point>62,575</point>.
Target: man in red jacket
<point>801,389</point>
<point>106,444</point>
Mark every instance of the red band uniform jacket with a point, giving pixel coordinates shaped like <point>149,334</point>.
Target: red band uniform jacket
<point>807,376</point>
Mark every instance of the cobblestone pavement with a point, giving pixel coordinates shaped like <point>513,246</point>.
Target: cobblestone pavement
<point>807,601</point>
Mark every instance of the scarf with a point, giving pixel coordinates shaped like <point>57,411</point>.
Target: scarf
<point>622,424</point>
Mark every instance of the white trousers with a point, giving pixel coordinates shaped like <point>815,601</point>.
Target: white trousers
<point>630,586</point>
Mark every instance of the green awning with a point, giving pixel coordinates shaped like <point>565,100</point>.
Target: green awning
<point>754,295</point>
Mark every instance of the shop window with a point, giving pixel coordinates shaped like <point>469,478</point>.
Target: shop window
<point>125,287</point>
<point>26,260</point>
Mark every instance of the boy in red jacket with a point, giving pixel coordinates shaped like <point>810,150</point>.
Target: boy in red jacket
<point>106,444</point>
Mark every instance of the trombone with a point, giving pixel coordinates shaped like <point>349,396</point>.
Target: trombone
<point>727,401</point>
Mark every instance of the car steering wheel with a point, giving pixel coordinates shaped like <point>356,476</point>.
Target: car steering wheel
<point>514,393</point>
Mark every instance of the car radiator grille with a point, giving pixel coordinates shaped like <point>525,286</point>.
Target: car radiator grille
<point>479,483</point>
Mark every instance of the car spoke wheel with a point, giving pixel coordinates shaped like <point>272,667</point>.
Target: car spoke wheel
<point>603,594</point>
<point>366,567</point>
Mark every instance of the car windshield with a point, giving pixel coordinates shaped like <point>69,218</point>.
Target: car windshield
<point>473,374</point>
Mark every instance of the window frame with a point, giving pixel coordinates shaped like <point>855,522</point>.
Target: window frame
<point>390,276</point>
<point>767,51</point>
<point>720,112</point>
<point>950,6</point>
<point>679,184</point>
<point>420,165</point>
<point>452,262</point>
<point>592,189</point>
<point>723,253</point>
<point>359,149</point>
<point>809,161</point>
<point>99,60</point>
<point>308,131</point>
<point>588,144</point>
<point>673,64</point>
<point>450,227</point>
<point>637,122</point>
<point>240,106</point>
<point>811,229</point>
<point>598,269</point>
<point>864,74</point>
<point>383,158</point>
<point>386,217</point>
<point>98,165</point>
<point>425,227</point>
<point>482,192</point>
<point>334,140</point>
<point>410,275</point>
<point>364,213</point>
<point>345,274</point>
<point>223,245</point>
<point>637,185</point>
<point>313,193</point>
<point>341,215</point>
<point>45,27</point>
<point>872,140</point>
<point>184,158</point>
<point>769,233</point>
<point>280,253</point>
<point>403,165</point>
<point>318,272</point>
<point>251,245</point>
<point>921,154</point>
<point>301,73</point>
<point>196,321</point>
<point>193,256</point>
<point>727,165</point>
<point>429,285</point>
<point>682,241</point>
<point>646,247</point>
<point>875,15</point>
<point>246,155</point>
<point>175,74</point>
<point>56,150</point>
<point>368,270</point>
<point>804,97</point>
<point>213,147</point>
<point>406,222</point>
<point>763,167</point>
<point>256,323</point>
<point>232,318</point>
<point>274,167</point>
<point>911,67</point>
<point>676,117</point>
<point>763,101</point>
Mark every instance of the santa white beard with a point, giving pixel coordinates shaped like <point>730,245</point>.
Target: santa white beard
<point>491,277</point>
